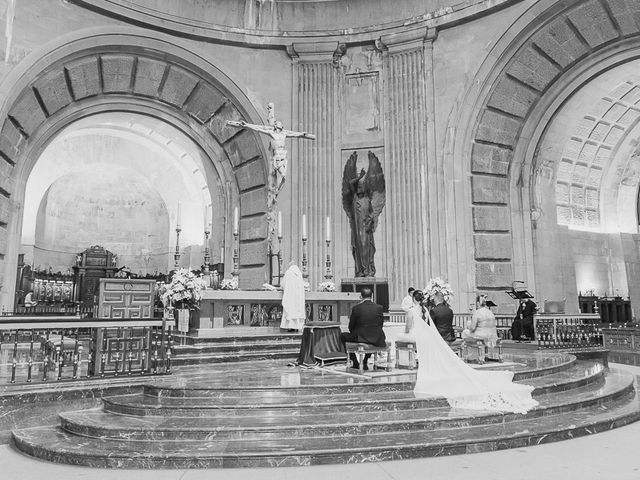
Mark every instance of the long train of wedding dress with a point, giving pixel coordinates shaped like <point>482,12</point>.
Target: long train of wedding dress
<point>441,373</point>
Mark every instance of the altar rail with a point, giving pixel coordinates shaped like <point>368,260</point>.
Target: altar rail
<point>552,330</point>
<point>61,348</point>
<point>51,310</point>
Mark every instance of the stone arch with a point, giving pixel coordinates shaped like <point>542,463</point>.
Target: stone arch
<point>551,47</point>
<point>127,72</point>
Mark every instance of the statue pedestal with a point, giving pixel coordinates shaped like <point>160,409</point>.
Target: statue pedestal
<point>380,287</point>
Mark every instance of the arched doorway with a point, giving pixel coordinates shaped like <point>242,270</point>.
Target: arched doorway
<point>546,56</point>
<point>118,74</point>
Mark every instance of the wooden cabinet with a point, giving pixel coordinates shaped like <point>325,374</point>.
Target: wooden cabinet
<point>126,298</point>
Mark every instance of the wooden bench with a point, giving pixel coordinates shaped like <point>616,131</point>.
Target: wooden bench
<point>60,350</point>
<point>361,349</point>
<point>408,349</point>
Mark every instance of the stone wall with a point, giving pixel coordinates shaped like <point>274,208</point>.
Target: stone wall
<point>452,100</point>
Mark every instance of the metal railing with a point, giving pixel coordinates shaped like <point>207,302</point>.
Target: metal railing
<point>62,348</point>
<point>551,330</point>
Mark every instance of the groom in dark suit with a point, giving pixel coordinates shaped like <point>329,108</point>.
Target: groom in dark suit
<point>365,325</point>
<point>442,317</point>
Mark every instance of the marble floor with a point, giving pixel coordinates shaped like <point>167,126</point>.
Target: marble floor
<point>608,455</point>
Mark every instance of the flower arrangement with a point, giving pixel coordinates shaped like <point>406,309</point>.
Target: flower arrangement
<point>327,286</point>
<point>183,291</point>
<point>229,284</point>
<point>435,286</point>
<point>307,287</point>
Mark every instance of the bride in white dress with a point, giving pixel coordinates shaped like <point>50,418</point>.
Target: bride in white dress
<point>441,373</point>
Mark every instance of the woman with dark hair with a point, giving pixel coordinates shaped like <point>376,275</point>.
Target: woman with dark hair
<point>441,373</point>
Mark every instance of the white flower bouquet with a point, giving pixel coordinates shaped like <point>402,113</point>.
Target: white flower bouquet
<point>183,291</point>
<point>229,284</point>
<point>435,286</point>
<point>307,287</point>
<point>327,287</point>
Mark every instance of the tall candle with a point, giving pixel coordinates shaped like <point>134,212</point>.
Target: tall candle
<point>207,218</point>
<point>236,220</point>
<point>279,224</point>
<point>328,229</point>
<point>178,216</point>
<point>222,255</point>
<point>304,225</point>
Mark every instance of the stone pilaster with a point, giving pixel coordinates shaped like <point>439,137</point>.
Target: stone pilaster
<point>314,165</point>
<point>412,174</point>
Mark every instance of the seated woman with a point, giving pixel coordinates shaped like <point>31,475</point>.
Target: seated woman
<point>482,325</point>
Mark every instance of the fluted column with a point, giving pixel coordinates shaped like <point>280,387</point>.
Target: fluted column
<point>409,171</point>
<point>315,193</point>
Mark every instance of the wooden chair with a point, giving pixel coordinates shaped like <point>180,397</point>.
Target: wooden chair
<point>480,348</point>
<point>406,354</point>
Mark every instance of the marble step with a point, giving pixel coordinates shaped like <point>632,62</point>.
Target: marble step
<point>249,337</point>
<point>241,356</point>
<point>233,347</point>
<point>97,423</point>
<point>55,444</point>
<point>574,375</point>
<point>141,405</point>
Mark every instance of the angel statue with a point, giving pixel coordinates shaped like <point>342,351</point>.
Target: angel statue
<point>363,200</point>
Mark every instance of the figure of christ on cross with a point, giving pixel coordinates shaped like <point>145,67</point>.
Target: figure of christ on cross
<point>277,147</point>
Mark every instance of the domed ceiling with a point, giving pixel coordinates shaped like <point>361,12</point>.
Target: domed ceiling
<point>265,22</point>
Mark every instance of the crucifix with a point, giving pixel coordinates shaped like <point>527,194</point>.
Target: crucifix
<point>278,149</point>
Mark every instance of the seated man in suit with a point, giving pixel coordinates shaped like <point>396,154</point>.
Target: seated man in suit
<point>365,325</point>
<point>442,317</point>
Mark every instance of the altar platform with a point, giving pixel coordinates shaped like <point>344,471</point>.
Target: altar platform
<point>221,309</point>
<point>251,414</point>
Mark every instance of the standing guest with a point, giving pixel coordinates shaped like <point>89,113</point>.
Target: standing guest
<point>522,328</point>
<point>365,326</point>
<point>442,317</point>
<point>293,308</point>
<point>407,302</point>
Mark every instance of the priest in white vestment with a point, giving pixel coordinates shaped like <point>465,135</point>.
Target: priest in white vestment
<point>293,308</point>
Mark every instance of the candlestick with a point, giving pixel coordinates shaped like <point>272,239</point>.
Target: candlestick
<point>279,224</point>
<point>328,272</point>
<point>207,257</point>
<point>305,266</point>
<point>304,225</point>
<point>236,221</point>
<point>236,256</point>
<point>280,259</point>
<point>328,229</point>
<point>176,255</point>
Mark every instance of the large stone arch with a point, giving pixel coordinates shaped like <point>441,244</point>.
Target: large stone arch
<point>551,49</point>
<point>125,71</point>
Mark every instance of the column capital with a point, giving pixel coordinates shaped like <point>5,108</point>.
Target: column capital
<point>314,51</point>
<point>406,40</point>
